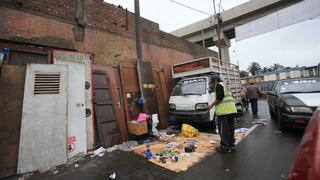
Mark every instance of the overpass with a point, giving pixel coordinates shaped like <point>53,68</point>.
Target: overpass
<point>203,32</point>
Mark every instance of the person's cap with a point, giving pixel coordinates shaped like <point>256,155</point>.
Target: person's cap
<point>215,77</point>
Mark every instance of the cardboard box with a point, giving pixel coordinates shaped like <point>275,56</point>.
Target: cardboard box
<point>137,128</point>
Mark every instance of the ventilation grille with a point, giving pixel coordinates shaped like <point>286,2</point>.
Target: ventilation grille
<point>47,84</point>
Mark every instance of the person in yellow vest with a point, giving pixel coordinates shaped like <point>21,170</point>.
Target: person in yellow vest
<point>225,112</point>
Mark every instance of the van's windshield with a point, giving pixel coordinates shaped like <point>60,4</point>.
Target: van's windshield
<point>190,87</point>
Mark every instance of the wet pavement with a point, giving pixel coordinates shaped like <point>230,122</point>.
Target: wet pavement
<point>263,155</point>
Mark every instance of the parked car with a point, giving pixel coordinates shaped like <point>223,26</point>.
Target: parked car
<point>306,164</point>
<point>293,101</point>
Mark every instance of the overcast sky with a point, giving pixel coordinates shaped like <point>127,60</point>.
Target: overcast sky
<point>298,44</point>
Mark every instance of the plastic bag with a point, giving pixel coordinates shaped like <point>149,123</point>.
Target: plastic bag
<point>189,131</point>
<point>143,117</point>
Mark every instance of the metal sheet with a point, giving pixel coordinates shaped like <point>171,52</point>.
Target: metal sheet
<point>84,59</point>
<point>11,98</point>
<point>44,128</point>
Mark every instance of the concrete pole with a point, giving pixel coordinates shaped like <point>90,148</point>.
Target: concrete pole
<point>138,45</point>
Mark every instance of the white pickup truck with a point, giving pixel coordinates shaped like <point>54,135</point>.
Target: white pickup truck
<point>192,94</point>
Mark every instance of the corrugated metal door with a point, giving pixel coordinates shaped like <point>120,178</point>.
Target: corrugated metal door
<point>108,129</point>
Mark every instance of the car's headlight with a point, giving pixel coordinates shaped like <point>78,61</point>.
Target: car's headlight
<point>172,106</point>
<point>201,106</point>
<point>301,109</point>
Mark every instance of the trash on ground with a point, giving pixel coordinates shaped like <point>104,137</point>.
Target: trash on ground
<point>189,131</point>
<point>55,172</point>
<point>185,154</point>
<point>127,146</point>
<point>260,121</point>
<point>227,170</point>
<point>113,148</point>
<point>25,176</point>
<point>78,157</point>
<point>172,130</point>
<point>241,130</point>
<point>76,165</point>
<point>166,138</point>
<point>98,151</point>
<point>212,141</point>
<point>113,176</point>
<point>278,132</point>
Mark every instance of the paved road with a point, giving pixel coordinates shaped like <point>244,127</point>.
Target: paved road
<point>263,155</point>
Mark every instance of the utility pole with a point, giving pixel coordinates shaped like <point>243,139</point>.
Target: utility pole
<point>138,45</point>
<point>217,26</point>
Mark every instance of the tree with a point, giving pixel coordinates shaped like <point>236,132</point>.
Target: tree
<point>277,66</point>
<point>254,68</point>
<point>243,74</point>
<point>266,69</point>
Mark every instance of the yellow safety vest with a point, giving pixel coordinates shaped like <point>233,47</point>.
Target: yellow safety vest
<point>227,105</point>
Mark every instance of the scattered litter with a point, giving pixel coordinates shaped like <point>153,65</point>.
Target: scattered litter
<point>185,154</point>
<point>101,154</point>
<point>241,130</point>
<point>278,132</point>
<point>143,117</point>
<point>283,176</point>
<point>113,176</point>
<point>172,130</point>
<point>260,121</point>
<point>166,138</point>
<point>127,146</point>
<point>227,170</point>
<point>212,141</point>
<point>76,165</point>
<point>25,176</point>
<point>78,157</point>
<point>113,148</point>
<point>99,151</point>
<point>55,172</point>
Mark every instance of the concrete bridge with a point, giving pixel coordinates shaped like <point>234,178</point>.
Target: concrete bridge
<point>204,33</point>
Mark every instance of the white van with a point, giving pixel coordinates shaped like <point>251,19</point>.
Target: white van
<point>192,94</point>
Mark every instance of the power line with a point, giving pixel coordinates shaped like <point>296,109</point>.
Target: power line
<point>191,8</point>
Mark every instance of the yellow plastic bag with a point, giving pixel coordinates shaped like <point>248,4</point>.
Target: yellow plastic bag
<point>189,131</point>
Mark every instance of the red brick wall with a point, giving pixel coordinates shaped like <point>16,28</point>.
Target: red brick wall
<point>105,17</point>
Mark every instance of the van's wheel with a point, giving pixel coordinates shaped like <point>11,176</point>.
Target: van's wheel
<point>280,123</point>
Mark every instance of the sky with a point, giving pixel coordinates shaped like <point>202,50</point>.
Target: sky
<point>297,44</point>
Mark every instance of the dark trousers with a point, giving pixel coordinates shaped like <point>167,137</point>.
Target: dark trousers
<point>226,129</point>
<point>254,105</point>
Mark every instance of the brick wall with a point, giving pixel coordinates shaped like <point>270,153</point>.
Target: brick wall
<point>106,17</point>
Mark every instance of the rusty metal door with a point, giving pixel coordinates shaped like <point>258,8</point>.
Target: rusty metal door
<point>105,112</point>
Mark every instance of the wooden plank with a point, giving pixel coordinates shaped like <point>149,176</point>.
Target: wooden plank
<point>11,97</point>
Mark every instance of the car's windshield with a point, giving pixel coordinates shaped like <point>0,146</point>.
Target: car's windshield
<point>300,86</point>
<point>190,87</point>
